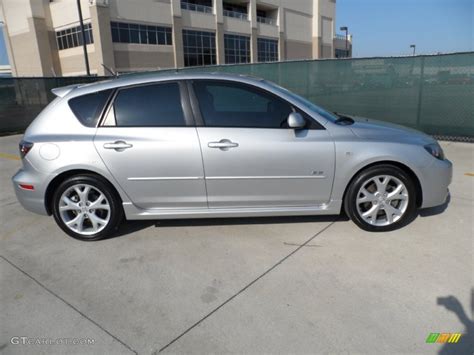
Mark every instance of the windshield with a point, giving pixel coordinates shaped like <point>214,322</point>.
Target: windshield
<point>322,112</point>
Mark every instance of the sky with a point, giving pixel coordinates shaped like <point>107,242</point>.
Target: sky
<point>389,27</point>
<point>3,49</point>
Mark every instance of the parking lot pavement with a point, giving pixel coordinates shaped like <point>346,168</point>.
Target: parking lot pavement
<point>302,284</point>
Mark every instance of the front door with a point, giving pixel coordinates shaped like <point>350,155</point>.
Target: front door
<point>151,149</point>
<point>251,158</point>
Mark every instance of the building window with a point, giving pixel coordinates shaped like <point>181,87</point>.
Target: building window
<point>237,49</point>
<point>267,50</point>
<point>72,37</point>
<point>142,34</point>
<point>199,48</point>
<point>342,53</point>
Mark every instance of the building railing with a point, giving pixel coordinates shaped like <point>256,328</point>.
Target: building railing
<point>267,20</point>
<point>339,36</point>
<point>235,14</point>
<point>195,7</point>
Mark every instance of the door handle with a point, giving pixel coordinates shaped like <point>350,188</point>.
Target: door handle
<point>223,144</point>
<point>118,145</point>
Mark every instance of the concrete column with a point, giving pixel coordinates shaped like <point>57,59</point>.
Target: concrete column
<point>178,51</point>
<point>252,10</point>
<point>104,48</point>
<point>316,47</point>
<point>29,42</point>
<point>282,37</point>
<point>254,46</point>
<point>282,47</point>
<point>220,45</point>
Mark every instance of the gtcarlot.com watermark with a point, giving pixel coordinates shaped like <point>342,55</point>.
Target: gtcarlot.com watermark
<point>24,340</point>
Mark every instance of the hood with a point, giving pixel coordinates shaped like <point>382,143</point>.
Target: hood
<point>379,130</point>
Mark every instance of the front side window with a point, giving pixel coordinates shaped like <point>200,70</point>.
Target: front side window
<point>157,105</point>
<point>225,104</point>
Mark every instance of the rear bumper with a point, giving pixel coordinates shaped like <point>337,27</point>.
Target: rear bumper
<point>435,181</point>
<point>31,200</point>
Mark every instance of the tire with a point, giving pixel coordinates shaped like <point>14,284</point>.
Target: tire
<point>381,198</point>
<point>86,207</point>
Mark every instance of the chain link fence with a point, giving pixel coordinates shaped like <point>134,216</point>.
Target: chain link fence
<point>434,94</point>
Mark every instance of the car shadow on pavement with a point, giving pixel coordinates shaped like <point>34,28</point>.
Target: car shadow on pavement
<point>130,227</point>
<point>466,342</point>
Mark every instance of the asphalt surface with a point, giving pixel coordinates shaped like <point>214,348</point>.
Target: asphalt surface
<point>263,285</point>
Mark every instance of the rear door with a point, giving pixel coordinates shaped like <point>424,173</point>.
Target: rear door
<point>150,145</point>
<point>251,157</point>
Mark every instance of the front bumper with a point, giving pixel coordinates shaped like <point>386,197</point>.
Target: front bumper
<point>31,200</point>
<point>435,181</point>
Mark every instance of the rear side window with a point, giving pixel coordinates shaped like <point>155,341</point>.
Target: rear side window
<point>87,108</point>
<point>157,105</point>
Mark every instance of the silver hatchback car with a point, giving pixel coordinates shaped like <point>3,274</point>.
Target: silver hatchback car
<point>211,145</point>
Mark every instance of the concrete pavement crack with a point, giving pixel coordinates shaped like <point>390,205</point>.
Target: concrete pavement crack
<point>246,287</point>
<point>68,304</point>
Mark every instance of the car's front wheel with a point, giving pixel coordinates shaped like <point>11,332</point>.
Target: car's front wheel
<point>381,198</point>
<point>86,207</point>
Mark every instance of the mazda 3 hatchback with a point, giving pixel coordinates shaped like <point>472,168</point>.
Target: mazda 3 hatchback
<point>164,146</point>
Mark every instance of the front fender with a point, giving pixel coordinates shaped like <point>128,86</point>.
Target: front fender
<point>353,157</point>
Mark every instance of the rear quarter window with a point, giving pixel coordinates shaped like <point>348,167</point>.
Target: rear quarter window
<point>87,108</point>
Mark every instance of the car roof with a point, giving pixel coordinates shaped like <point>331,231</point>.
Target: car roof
<point>144,78</point>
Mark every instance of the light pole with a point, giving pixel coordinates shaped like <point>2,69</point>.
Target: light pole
<point>345,28</point>
<point>414,48</point>
<point>84,44</point>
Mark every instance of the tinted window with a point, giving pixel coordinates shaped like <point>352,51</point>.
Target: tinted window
<point>240,105</point>
<point>87,108</point>
<point>322,112</point>
<point>150,105</point>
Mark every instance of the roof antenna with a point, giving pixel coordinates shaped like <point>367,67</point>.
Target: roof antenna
<point>109,70</point>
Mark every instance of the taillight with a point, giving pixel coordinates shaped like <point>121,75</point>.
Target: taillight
<point>27,187</point>
<point>25,147</point>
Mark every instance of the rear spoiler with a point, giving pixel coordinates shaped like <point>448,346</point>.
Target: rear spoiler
<point>63,91</point>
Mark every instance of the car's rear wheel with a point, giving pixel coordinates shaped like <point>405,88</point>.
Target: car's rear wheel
<point>381,198</point>
<point>87,208</point>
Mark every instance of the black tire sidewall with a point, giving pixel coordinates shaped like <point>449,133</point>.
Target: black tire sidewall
<point>116,210</point>
<point>351,196</point>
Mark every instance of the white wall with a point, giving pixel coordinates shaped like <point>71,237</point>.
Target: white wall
<point>148,11</point>
<point>64,13</point>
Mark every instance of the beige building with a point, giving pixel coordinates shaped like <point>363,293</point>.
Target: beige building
<point>44,37</point>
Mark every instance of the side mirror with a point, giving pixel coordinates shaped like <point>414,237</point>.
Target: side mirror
<point>296,121</point>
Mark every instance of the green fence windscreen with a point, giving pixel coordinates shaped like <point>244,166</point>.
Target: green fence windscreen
<point>434,94</point>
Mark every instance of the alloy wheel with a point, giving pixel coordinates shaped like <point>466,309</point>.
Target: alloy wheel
<point>382,200</point>
<point>84,209</point>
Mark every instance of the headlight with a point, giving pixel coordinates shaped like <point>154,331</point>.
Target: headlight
<point>435,150</point>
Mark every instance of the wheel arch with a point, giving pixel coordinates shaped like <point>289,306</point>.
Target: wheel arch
<point>405,168</point>
<point>48,200</point>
